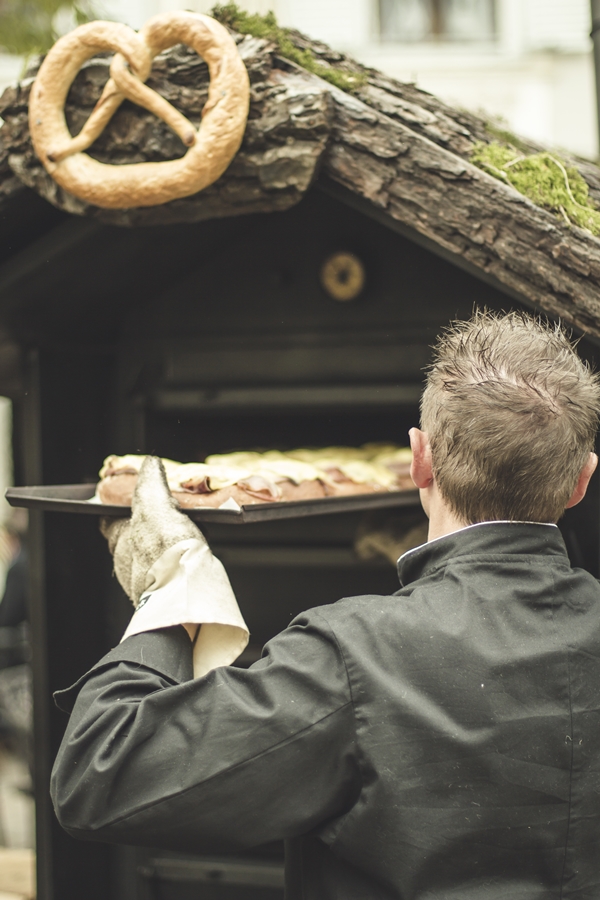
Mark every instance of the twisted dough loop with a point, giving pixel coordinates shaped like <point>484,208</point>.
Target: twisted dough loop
<point>212,147</point>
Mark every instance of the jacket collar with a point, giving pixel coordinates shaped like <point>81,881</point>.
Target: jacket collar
<point>483,539</point>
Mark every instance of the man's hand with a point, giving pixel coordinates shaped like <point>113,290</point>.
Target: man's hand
<point>156,524</point>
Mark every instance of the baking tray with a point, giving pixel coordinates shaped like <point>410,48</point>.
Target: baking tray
<point>72,498</point>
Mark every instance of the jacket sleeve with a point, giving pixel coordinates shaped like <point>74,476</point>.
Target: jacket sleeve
<point>231,760</point>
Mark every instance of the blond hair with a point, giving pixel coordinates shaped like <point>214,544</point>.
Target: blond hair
<point>511,412</point>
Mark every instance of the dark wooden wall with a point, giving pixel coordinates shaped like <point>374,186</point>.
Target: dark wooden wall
<point>132,340</point>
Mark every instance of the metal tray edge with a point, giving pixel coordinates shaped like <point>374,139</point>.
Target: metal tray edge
<point>40,497</point>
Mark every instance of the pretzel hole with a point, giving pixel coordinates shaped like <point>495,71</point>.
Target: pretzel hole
<point>86,90</point>
<point>126,133</point>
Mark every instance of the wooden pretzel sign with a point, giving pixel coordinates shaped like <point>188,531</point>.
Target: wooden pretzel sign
<point>211,147</point>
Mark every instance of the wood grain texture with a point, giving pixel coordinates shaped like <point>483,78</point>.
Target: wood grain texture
<point>210,149</point>
<point>460,208</point>
<point>398,148</point>
<point>285,137</point>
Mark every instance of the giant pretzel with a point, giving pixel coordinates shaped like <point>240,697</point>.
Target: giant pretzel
<point>211,148</point>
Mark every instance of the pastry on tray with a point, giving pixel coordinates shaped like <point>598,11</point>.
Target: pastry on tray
<point>248,477</point>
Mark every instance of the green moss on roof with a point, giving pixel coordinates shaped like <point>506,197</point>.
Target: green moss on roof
<point>267,27</point>
<point>544,178</point>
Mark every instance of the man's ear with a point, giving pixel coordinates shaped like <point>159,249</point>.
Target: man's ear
<point>421,467</point>
<point>583,481</point>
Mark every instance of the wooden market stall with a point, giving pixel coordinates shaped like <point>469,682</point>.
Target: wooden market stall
<point>292,302</point>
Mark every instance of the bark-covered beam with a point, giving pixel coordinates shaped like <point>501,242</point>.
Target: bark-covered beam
<point>288,128</point>
<point>400,149</point>
<point>448,200</point>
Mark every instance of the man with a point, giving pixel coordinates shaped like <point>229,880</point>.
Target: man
<point>439,744</point>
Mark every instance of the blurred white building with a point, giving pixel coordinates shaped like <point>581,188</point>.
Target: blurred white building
<point>527,61</point>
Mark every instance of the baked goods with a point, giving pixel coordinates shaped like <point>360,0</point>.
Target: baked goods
<point>211,147</point>
<point>248,477</point>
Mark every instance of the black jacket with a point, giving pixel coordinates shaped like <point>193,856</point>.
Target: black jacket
<point>439,744</point>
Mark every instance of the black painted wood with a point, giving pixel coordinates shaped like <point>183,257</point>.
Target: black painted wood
<point>65,427</point>
<point>114,321</point>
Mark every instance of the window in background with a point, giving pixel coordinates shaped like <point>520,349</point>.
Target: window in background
<point>437,20</point>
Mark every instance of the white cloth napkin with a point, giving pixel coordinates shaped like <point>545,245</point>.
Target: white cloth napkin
<point>188,585</point>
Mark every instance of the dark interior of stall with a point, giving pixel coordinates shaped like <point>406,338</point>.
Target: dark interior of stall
<point>184,341</point>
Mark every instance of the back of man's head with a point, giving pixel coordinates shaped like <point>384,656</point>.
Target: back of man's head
<point>511,413</point>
